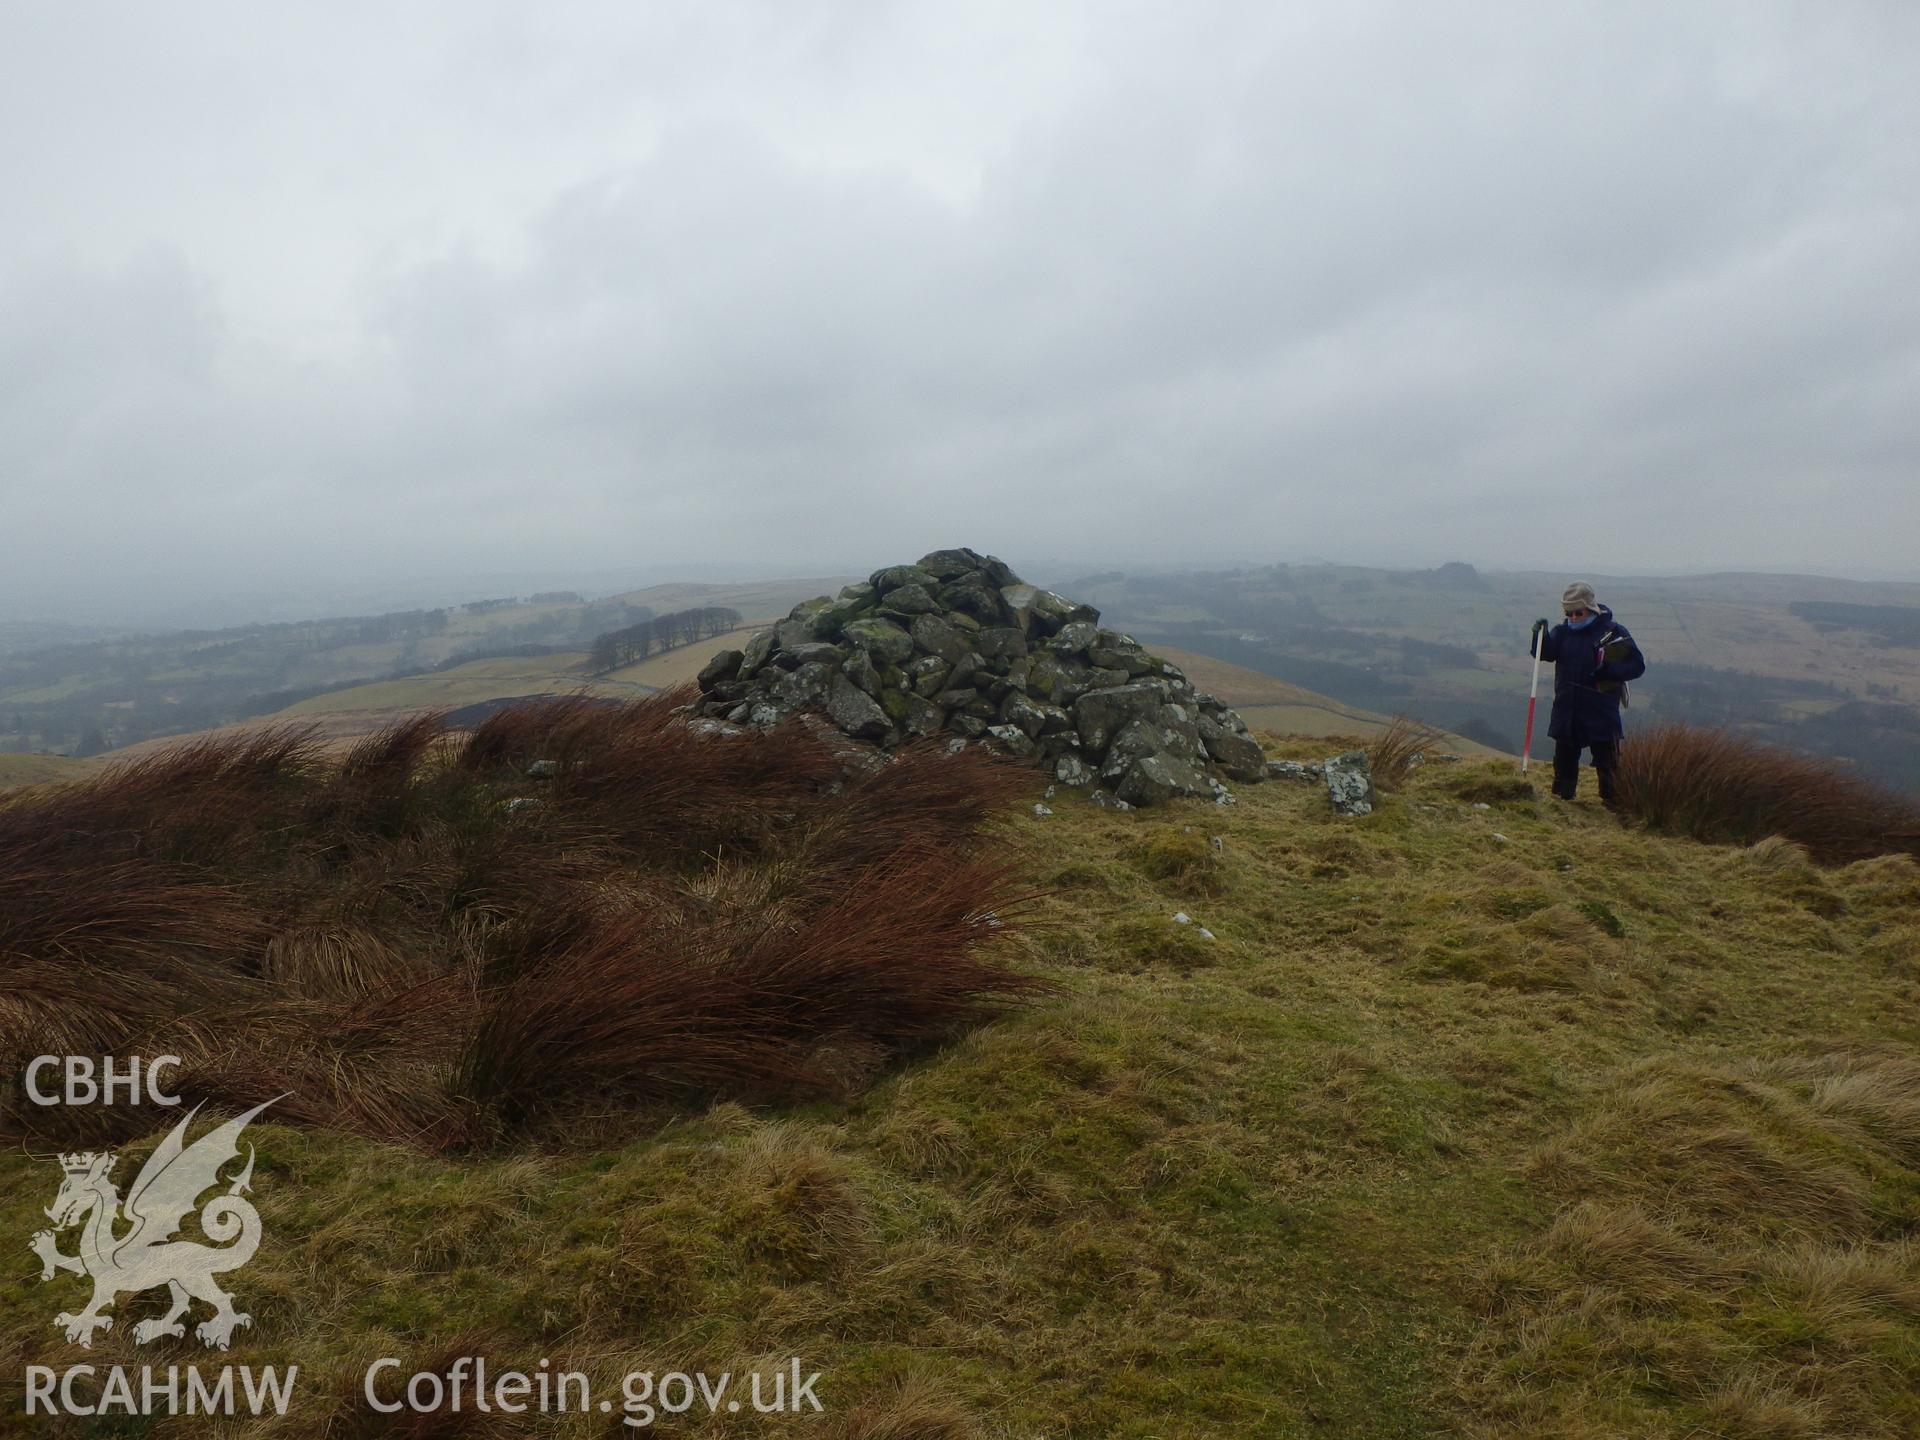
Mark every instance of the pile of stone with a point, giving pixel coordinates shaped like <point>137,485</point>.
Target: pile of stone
<point>957,643</point>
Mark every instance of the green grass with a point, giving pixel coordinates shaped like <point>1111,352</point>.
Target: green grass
<point>1503,1122</point>
<point>39,769</point>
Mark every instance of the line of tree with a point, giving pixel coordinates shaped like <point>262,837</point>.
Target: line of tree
<point>635,643</point>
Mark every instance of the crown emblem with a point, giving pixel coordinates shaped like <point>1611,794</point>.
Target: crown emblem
<point>79,1162</point>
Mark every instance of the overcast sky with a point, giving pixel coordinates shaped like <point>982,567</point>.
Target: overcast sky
<point>318,298</point>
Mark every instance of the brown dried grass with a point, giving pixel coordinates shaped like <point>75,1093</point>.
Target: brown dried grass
<point>1721,787</point>
<point>1395,751</point>
<point>681,916</point>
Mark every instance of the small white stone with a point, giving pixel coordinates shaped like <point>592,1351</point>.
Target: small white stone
<point>1042,810</point>
<point>1204,933</point>
<point>1180,917</point>
<point>1481,805</point>
<point>1501,838</point>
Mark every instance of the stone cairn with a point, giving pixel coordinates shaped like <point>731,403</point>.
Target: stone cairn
<point>958,644</point>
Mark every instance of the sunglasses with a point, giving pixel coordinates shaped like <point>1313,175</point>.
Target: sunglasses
<point>1578,614</point>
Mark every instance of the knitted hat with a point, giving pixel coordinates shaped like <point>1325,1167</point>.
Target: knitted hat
<point>1578,596</point>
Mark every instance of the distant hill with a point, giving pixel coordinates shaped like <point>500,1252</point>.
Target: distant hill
<point>1807,662</point>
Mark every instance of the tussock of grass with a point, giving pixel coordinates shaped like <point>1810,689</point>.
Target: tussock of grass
<point>1718,786</point>
<point>674,916</point>
<point>1395,751</point>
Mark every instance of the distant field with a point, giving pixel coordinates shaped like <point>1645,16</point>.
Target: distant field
<point>1266,703</point>
<point>768,597</point>
<point>676,667</point>
<point>16,770</point>
<point>462,685</point>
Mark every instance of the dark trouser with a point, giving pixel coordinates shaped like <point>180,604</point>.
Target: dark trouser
<point>1566,768</point>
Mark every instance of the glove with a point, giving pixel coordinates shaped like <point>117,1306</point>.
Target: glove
<point>1540,626</point>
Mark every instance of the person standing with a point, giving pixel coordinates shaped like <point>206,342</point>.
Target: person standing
<point>1593,658</point>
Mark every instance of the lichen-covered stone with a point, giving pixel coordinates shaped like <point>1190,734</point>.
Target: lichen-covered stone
<point>908,601</point>
<point>1075,638</point>
<point>860,669</point>
<point>896,577</point>
<point>754,654</point>
<point>1017,709</point>
<point>927,674</point>
<point>1155,779</point>
<point>854,711</point>
<point>1350,783</point>
<point>1001,642</point>
<point>937,636</point>
<point>811,652</point>
<point>1100,714</point>
<point>1070,769</point>
<point>1016,740</point>
<point>883,640</point>
<point>923,717</point>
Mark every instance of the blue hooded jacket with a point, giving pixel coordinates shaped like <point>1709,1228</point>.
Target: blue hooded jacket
<point>1587,690</point>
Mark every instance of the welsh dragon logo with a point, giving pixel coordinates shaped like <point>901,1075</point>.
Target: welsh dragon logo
<point>145,1256</point>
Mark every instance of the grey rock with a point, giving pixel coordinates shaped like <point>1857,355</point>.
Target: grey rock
<point>1238,754</point>
<point>1017,741</point>
<point>909,600</point>
<point>723,666</point>
<point>805,686</point>
<point>1155,779</point>
<point>1001,642</point>
<point>896,577</point>
<point>1350,783</point>
<point>1054,611</point>
<point>1072,770</point>
<point>1294,770</point>
<point>855,711</point>
<point>927,674</point>
<point>1016,709</point>
<point>811,652</point>
<point>974,597</point>
<point>1076,637</point>
<point>1130,659</point>
<point>860,669</point>
<point>1099,715</point>
<point>951,564</point>
<point>883,640</point>
<point>940,637</point>
<point>543,769</point>
<point>766,714</point>
<point>755,654</point>
<point>923,717</point>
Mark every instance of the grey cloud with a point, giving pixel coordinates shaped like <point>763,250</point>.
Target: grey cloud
<point>1373,282</point>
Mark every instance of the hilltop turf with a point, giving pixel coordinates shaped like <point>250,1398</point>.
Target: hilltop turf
<point>1480,1115</point>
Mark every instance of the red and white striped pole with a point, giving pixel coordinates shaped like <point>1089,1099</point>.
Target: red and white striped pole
<point>1533,698</point>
